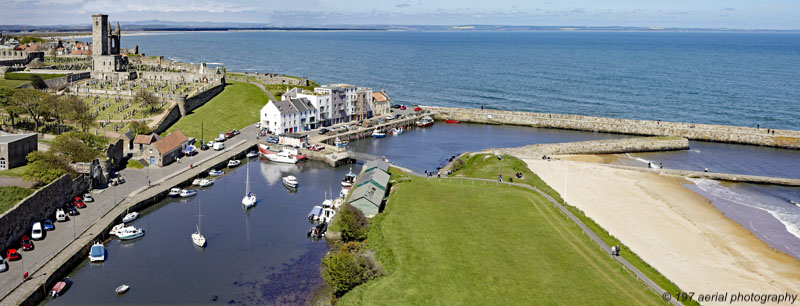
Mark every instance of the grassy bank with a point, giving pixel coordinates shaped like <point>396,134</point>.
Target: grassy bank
<point>464,242</point>
<point>11,195</point>
<point>11,83</point>
<point>15,172</point>
<point>488,166</point>
<point>234,108</point>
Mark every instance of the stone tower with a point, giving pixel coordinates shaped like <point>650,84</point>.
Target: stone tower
<point>114,39</point>
<point>100,33</point>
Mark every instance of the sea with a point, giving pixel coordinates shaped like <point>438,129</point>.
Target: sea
<point>262,256</point>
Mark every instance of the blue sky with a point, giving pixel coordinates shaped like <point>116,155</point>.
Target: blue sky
<point>740,14</point>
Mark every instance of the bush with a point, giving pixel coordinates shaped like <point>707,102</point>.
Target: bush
<point>458,164</point>
<point>38,82</point>
<point>348,267</point>
<point>353,223</point>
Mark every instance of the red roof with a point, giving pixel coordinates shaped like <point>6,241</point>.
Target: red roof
<point>171,142</point>
<point>146,139</point>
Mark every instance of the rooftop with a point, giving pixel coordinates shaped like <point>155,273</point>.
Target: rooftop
<point>6,138</point>
<point>171,142</point>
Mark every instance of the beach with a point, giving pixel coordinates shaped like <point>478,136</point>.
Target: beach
<point>675,230</point>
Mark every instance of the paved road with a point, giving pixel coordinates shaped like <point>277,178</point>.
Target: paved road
<point>105,200</point>
<point>583,227</point>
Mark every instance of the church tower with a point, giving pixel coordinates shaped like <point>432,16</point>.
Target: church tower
<point>100,33</point>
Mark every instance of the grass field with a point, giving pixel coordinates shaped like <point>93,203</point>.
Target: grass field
<point>488,166</point>
<point>10,195</point>
<point>234,108</point>
<point>134,164</point>
<point>11,83</point>
<point>462,242</point>
<point>15,172</point>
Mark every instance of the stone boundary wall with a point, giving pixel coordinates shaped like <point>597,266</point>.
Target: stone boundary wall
<point>65,80</point>
<point>172,116</point>
<point>609,146</point>
<point>728,177</point>
<point>209,77</point>
<point>40,205</point>
<point>201,98</point>
<point>788,139</point>
<point>277,79</point>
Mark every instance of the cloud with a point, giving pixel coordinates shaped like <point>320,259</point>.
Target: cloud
<point>402,5</point>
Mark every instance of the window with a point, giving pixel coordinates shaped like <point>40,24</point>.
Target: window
<point>2,163</point>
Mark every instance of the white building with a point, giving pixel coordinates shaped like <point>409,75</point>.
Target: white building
<point>289,116</point>
<point>337,103</point>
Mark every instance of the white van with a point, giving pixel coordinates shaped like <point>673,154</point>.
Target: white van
<point>36,233</point>
<point>60,215</point>
<point>219,146</point>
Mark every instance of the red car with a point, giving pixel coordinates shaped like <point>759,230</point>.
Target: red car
<point>230,134</point>
<point>80,204</point>
<point>417,109</point>
<point>13,255</point>
<point>27,244</point>
<point>403,107</point>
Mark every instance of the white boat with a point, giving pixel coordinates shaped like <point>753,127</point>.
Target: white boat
<point>425,121</point>
<point>233,162</point>
<point>206,183</point>
<point>175,192</point>
<point>282,157</point>
<point>215,172</point>
<point>378,134</point>
<point>197,181</point>
<point>290,181</point>
<point>122,289</point>
<point>129,217</point>
<point>188,193</point>
<point>197,238</point>
<point>130,232</point>
<point>327,215</point>
<point>397,131</point>
<point>344,193</point>
<point>249,198</point>
<point>116,229</point>
<point>328,203</point>
<point>252,154</point>
<point>652,165</point>
<point>339,143</point>
<point>349,179</point>
<point>795,203</point>
<point>97,252</point>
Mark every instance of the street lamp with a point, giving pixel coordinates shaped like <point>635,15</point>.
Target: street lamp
<point>149,161</point>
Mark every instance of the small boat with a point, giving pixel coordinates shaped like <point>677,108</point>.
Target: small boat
<point>397,131</point>
<point>795,203</point>
<point>175,192</point>
<point>653,165</point>
<point>188,193</point>
<point>97,252</point>
<point>451,121</point>
<point>378,134</point>
<point>315,213</point>
<point>233,163</point>
<point>116,229</point>
<point>60,287</point>
<point>122,289</point>
<point>425,122</point>
<point>196,182</point>
<point>252,154</point>
<point>129,217</point>
<point>249,199</point>
<point>344,193</point>
<point>198,239</point>
<point>328,203</point>
<point>206,183</point>
<point>290,181</point>
<point>318,231</point>
<point>327,214</point>
<point>282,157</point>
<point>215,172</point>
<point>130,232</point>
<point>339,143</point>
<point>349,179</point>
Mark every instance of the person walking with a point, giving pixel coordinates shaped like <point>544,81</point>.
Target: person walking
<point>499,178</point>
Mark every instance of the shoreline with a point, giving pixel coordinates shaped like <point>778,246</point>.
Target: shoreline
<point>675,230</point>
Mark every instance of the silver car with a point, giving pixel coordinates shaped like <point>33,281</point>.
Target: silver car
<point>3,265</point>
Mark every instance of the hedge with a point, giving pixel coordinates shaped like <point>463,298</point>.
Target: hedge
<point>27,76</point>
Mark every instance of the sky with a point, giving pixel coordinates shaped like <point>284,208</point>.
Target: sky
<point>736,14</point>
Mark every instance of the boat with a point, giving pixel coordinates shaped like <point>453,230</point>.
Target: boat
<point>249,199</point>
<point>378,134</point>
<point>130,232</point>
<point>206,183</point>
<point>344,193</point>
<point>233,163</point>
<point>60,287</point>
<point>339,143</point>
<point>327,214</point>
<point>97,252</point>
<point>252,154</point>
<point>284,155</point>
<point>215,172</point>
<point>116,229</point>
<point>122,289</point>
<point>315,213</point>
<point>175,192</point>
<point>795,203</point>
<point>188,193</point>
<point>129,217</point>
<point>349,179</point>
<point>197,237</point>
<point>652,165</point>
<point>290,181</point>
<point>318,231</point>
<point>451,121</point>
<point>196,182</point>
<point>425,122</point>
<point>397,131</point>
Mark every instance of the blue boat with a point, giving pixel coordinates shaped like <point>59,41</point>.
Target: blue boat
<point>315,213</point>
<point>378,134</point>
<point>97,252</point>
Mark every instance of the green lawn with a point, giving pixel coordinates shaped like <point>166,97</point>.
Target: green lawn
<point>134,164</point>
<point>234,108</point>
<point>11,83</point>
<point>15,172</point>
<point>460,242</point>
<point>488,166</point>
<point>11,195</point>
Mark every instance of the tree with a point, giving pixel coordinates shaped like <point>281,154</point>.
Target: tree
<point>139,127</point>
<point>59,108</point>
<point>8,103</point>
<point>45,167</point>
<point>80,113</point>
<point>74,148</point>
<point>147,99</point>
<point>353,224</point>
<point>37,82</point>
<point>32,102</point>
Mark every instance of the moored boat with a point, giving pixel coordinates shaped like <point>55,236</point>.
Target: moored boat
<point>215,172</point>
<point>60,287</point>
<point>318,231</point>
<point>397,131</point>
<point>378,134</point>
<point>249,199</point>
<point>339,143</point>
<point>290,181</point>
<point>425,122</point>
<point>188,193</point>
<point>206,183</point>
<point>197,181</point>
<point>349,179</point>
<point>252,154</point>
<point>451,121</point>
<point>129,217</point>
<point>175,192</point>
<point>233,163</point>
<point>122,289</point>
<point>130,232</point>
<point>97,252</point>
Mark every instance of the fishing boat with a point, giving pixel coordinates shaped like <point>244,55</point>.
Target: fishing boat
<point>197,237</point>
<point>129,217</point>
<point>188,193</point>
<point>206,183</point>
<point>249,199</point>
<point>175,192</point>
<point>122,289</point>
<point>290,181</point>
<point>233,163</point>
<point>130,232</point>
<point>451,121</point>
<point>97,252</point>
<point>339,143</point>
<point>425,122</point>
<point>215,172</point>
<point>252,154</point>
<point>60,287</point>
<point>378,134</point>
<point>349,179</point>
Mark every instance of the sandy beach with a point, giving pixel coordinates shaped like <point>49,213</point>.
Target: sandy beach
<point>672,228</point>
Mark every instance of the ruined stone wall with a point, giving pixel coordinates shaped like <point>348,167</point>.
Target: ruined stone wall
<point>277,79</point>
<point>172,116</point>
<point>38,206</point>
<point>707,132</point>
<point>199,99</point>
<point>61,82</point>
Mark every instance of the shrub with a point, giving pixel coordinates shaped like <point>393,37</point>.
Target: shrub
<point>348,267</point>
<point>458,164</point>
<point>38,82</point>
<point>353,223</point>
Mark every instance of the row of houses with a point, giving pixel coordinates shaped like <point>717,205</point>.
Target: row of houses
<point>303,110</point>
<point>371,188</point>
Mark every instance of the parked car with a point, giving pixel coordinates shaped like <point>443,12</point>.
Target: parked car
<point>3,265</point>
<point>26,243</point>
<point>389,117</point>
<point>258,124</point>
<point>218,146</point>
<point>403,107</point>
<point>229,134</point>
<point>323,131</point>
<point>418,109</point>
<point>236,132</point>
<point>396,116</point>
<point>37,233</point>
<point>72,211</point>
<point>48,225</point>
<point>88,198</point>
<point>272,139</point>
<point>61,216</point>
<point>396,106</point>
<point>220,138</point>
<point>13,255</point>
<point>79,204</point>
<point>191,141</point>
<point>203,145</point>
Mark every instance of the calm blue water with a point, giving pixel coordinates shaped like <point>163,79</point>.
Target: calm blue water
<point>722,78</point>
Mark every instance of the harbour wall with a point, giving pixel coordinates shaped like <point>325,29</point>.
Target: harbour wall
<point>788,139</point>
<point>33,291</point>
<point>735,178</point>
<point>366,132</point>
<point>608,146</point>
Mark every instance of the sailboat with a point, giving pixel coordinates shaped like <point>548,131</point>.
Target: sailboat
<point>249,198</point>
<point>197,238</point>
